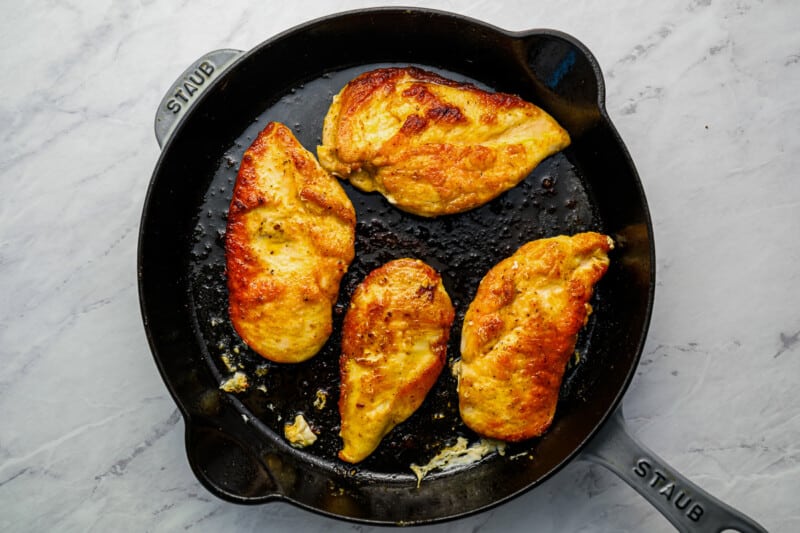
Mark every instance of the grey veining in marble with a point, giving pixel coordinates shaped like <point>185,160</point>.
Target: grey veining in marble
<point>706,94</point>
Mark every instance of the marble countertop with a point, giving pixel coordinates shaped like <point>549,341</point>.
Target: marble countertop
<point>706,95</point>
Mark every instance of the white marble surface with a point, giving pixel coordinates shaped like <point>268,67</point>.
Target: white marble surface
<point>706,94</point>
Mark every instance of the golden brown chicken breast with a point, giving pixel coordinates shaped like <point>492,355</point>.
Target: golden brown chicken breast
<point>394,345</point>
<point>520,331</point>
<point>430,145</point>
<point>289,241</point>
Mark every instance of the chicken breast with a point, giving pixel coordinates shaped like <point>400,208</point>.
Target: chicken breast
<point>394,345</point>
<point>430,145</point>
<point>290,239</point>
<point>520,331</point>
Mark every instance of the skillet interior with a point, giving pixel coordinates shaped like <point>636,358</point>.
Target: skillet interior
<point>234,443</point>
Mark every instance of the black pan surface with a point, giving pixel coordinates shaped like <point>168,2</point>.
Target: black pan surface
<point>235,442</point>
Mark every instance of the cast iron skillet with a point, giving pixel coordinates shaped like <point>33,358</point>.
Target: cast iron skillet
<point>235,443</point>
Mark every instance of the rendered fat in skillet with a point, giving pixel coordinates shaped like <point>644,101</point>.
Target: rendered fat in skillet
<point>461,248</point>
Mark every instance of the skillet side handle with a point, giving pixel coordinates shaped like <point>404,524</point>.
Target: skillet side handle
<point>684,504</point>
<point>189,85</point>
<point>227,465</point>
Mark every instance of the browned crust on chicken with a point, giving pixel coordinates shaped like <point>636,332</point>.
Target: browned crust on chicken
<point>520,331</point>
<point>431,145</point>
<point>289,240</point>
<point>394,346</point>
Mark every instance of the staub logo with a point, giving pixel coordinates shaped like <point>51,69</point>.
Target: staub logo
<point>189,85</point>
<point>670,490</point>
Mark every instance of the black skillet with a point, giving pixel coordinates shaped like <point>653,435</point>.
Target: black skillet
<point>235,442</point>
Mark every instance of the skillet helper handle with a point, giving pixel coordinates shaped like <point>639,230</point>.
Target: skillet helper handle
<point>227,465</point>
<point>684,504</point>
<point>187,88</point>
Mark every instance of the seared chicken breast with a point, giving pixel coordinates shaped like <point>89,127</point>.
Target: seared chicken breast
<point>394,345</point>
<point>430,145</point>
<point>520,331</point>
<point>290,239</point>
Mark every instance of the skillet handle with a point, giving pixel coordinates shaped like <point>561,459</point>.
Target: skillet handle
<point>226,465</point>
<point>189,85</point>
<point>684,504</point>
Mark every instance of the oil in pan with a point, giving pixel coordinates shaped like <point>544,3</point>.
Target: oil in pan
<point>552,200</point>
